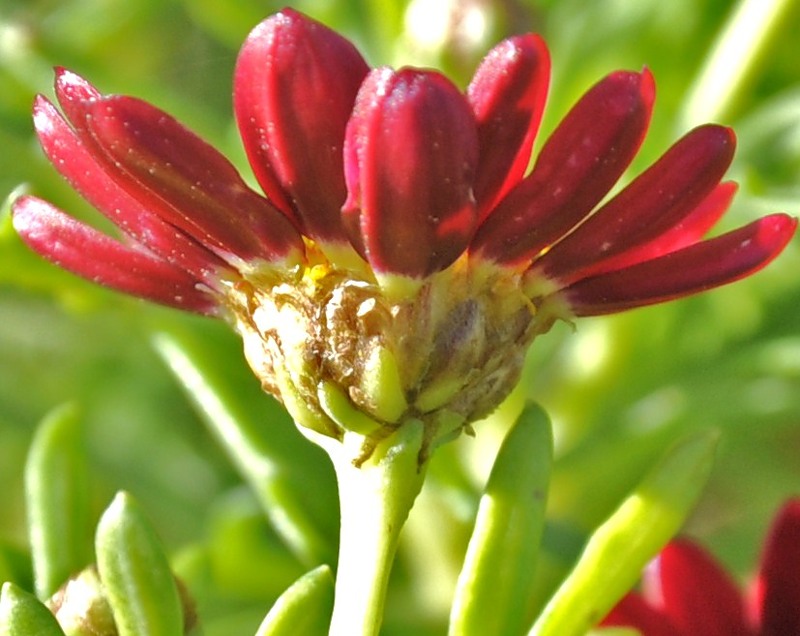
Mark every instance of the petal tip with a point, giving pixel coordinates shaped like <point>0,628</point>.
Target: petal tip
<point>777,230</point>
<point>636,89</point>
<point>71,85</point>
<point>647,87</point>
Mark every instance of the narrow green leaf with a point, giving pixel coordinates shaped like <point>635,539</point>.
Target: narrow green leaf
<point>305,608</point>
<point>133,567</point>
<point>15,565</point>
<point>21,614</point>
<point>228,22</point>
<point>243,439</point>
<point>497,577</point>
<point>247,560</point>
<point>56,493</point>
<point>620,548</point>
<point>734,57</point>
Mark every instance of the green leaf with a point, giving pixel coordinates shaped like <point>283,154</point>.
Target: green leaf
<point>305,608</point>
<point>614,557</point>
<point>133,567</point>
<point>256,455</point>
<point>56,493</point>
<point>15,565</point>
<point>497,577</point>
<point>21,614</point>
<point>230,21</point>
<point>247,559</point>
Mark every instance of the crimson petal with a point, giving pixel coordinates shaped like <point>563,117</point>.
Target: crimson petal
<point>186,182</point>
<point>655,203</point>
<point>507,95</point>
<point>577,166</point>
<point>689,231</point>
<point>88,253</point>
<point>696,268</point>
<point>68,154</point>
<point>73,91</point>
<point>410,156</point>
<point>294,89</point>
<point>779,575</point>
<point>694,592</point>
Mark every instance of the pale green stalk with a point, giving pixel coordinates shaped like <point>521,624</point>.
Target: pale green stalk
<point>375,499</point>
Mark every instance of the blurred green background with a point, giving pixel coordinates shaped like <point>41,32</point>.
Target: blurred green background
<point>619,389</point>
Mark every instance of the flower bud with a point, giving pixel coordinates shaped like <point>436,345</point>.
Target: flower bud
<point>82,609</point>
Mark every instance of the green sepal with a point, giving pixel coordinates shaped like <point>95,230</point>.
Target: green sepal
<point>304,608</point>
<point>498,574</point>
<point>340,409</point>
<point>382,387</point>
<point>438,394</point>
<point>22,614</point>
<point>447,426</point>
<point>616,553</point>
<point>56,496</point>
<point>298,407</point>
<point>133,567</point>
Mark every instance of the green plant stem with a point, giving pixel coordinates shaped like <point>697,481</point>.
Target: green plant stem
<point>375,499</point>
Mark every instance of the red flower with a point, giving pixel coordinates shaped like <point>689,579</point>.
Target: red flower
<point>403,167</point>
<point>686,593</point>
<point>393,195</point>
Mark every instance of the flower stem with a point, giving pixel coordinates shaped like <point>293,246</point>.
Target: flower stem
<point>375,499</point>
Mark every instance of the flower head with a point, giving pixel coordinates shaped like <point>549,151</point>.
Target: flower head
<point>686,592</point>
<point>401,261</point>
